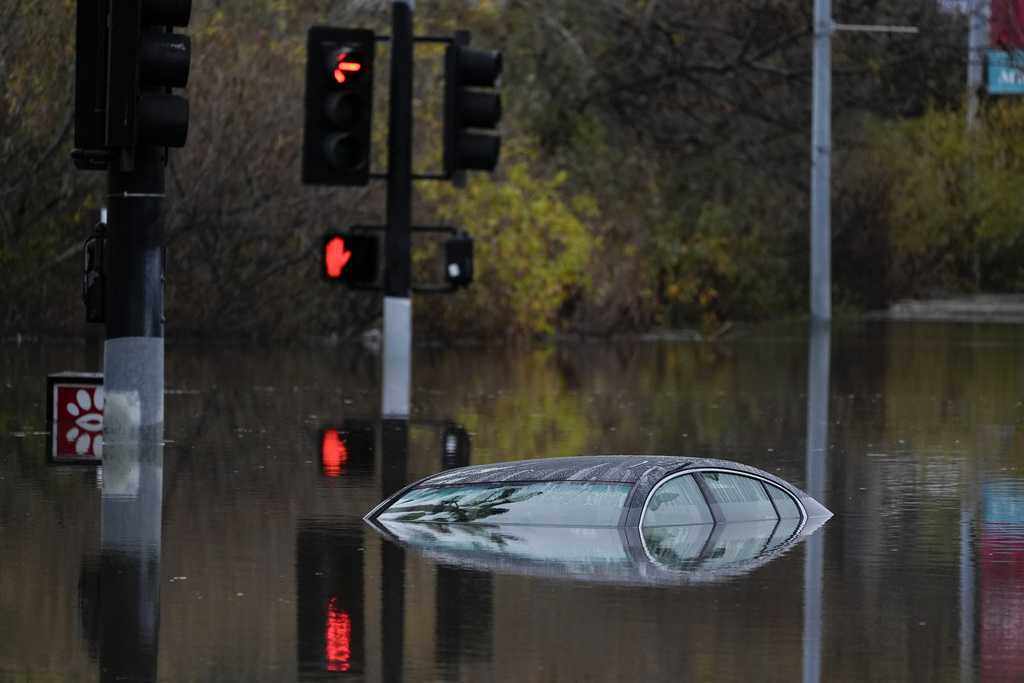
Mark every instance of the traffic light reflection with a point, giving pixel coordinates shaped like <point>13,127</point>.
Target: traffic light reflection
<point>338,638</point>
<point>334,453</point>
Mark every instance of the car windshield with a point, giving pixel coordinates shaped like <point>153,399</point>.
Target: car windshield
<point>570,503</point>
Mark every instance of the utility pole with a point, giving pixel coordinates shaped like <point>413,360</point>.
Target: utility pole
<point>821,153</point>
<point>821,165</point>
<point>397,351</point>
<point>977,40</point>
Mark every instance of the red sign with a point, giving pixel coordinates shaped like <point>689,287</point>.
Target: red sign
<point>77,429</point>
<point>1007,26</point>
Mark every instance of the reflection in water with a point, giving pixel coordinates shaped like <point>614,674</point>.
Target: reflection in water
<point>129,567</point>
<point>394,456</point>
<point>816,465</point>
<point>667,554</point>
<point>348,451</point>
<point>330,604</point>
<point>1001,581</point>
<point>924,428</point>
<point>967,583</point>
<point>465,619</point>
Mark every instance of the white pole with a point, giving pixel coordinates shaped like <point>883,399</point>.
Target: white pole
<point>396,357</point>
<point>821,148</point>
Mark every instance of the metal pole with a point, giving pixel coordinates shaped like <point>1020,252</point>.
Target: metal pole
<point>976,41</point>
<point>821,149</point>
<point>133,354</point>
<point>397,354</point>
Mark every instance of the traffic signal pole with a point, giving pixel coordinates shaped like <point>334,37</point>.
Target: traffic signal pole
<point>397,351</point>
<point>128,60</point>
<point>133,354</point>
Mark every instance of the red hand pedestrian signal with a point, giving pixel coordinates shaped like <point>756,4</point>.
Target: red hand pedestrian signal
<point>345,63</point>
<point>336,256</point>
<point>350,259</point>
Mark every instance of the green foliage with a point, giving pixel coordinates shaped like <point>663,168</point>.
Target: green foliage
<point>954,199</point>
<point>721,270</point>
<point>532,243</point>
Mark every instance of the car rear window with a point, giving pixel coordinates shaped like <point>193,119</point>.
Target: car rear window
<point>571,503</point>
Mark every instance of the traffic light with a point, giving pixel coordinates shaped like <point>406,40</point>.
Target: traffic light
<point>145,59</point>
<point>339,106</point>
<point>90,80</point>
<point>458,260</point>
<point>351,259</point>
<point>472,108</point>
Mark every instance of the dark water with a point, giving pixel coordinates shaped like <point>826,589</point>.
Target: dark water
<point>254,564</point>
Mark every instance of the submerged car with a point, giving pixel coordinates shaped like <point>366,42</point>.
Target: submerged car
<point>611,517</point>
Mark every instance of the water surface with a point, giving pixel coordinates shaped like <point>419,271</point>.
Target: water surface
<point>237,551</point>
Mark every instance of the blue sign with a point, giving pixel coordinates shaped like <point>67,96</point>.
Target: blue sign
<point>1006,72</point>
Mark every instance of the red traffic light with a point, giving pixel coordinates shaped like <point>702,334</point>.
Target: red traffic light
<point>344,64</point>
<point>336,256</point>
<point>336,140</point>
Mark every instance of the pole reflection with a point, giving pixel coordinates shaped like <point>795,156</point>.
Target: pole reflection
<point>967,618</point>
<point>816,463</point>
<point>129,566</point>
<point>394,467</point>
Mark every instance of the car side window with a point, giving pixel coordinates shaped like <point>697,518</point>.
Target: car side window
<point>677,501</point>
<point>783,502</point>
<point>738,498</point>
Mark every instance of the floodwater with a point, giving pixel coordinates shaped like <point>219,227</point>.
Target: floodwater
<point>236,551</point>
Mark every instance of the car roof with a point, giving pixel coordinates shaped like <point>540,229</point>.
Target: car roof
<point>607,468</point>
<point>642,471</point>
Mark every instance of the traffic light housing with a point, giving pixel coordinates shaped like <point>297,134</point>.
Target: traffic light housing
<point>339,106</point>
<point>472,108</point>
<point>145,59</point>
<point>458,260</point>
<point>351,259</point>
<point>90,79</point>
